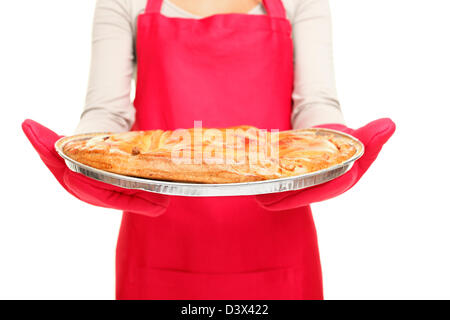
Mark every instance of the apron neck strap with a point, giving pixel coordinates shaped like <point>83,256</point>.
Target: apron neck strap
<point>274,8</point>
<point>153,6</point>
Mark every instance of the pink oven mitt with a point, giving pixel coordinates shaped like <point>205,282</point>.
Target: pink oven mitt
<point>89,190</point>
<point>374,135</point>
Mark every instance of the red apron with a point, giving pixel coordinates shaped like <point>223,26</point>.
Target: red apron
<point>226,70</point>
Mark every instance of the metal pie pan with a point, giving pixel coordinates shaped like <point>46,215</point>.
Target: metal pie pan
<point>214,190</point>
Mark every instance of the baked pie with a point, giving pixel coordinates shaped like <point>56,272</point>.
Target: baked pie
<point>200,155</point>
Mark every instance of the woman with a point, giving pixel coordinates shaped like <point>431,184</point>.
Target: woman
<point>225,63</point>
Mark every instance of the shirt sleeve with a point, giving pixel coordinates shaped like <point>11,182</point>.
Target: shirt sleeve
<point>108,106</point>
<point>314,96</point>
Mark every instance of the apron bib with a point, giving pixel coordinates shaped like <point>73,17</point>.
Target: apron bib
<point>224,70</point>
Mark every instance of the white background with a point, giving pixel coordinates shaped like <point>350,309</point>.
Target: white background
<point>387,238</point>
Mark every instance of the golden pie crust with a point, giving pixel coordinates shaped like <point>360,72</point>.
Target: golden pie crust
<point>229,155</point>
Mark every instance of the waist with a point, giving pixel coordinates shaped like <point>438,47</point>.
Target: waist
<point>218,235</point>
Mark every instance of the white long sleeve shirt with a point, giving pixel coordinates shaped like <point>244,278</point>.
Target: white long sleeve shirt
<point>113,65</point>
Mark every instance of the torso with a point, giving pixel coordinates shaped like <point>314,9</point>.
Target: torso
<point>225,70</point>
<point>183,9</point>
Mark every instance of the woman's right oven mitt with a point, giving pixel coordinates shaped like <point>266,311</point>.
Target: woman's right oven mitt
<point>373,135</point>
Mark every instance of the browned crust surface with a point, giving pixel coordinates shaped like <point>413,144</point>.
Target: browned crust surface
<point>149,154</point>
